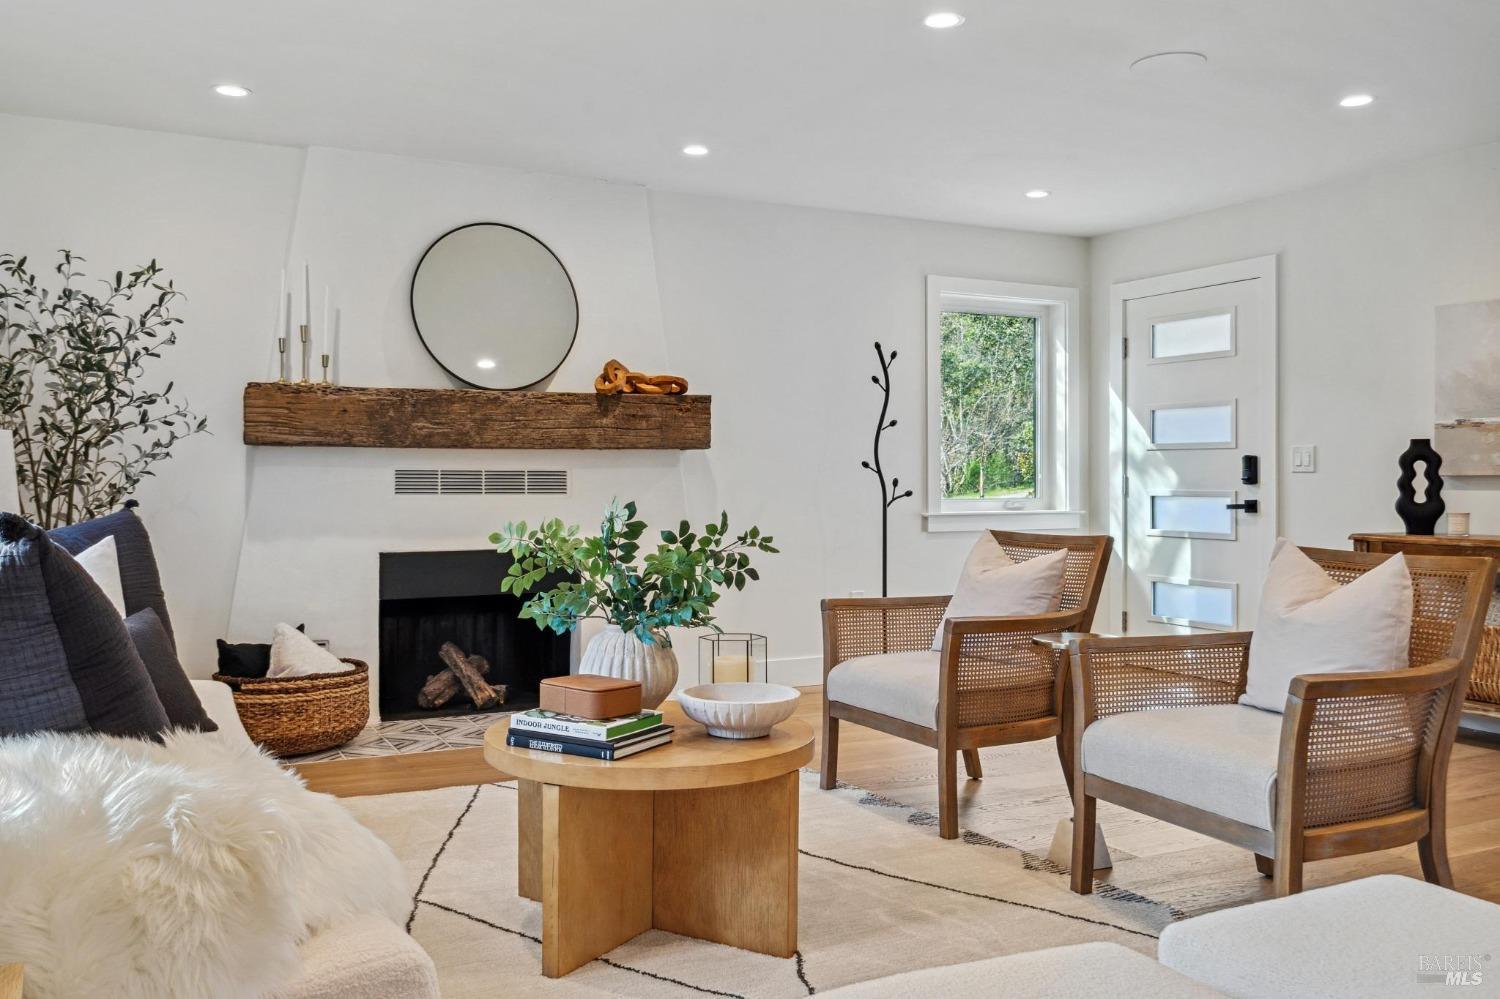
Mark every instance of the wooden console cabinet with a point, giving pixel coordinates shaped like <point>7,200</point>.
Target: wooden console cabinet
<point>1484,682</point>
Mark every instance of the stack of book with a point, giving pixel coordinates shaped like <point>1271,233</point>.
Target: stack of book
<point>597,738</point>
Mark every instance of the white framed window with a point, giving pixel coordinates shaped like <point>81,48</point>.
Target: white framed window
<point>1005,417</point>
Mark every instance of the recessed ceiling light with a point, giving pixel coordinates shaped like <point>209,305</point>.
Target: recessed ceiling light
<point>485,363</point>
<point>1169,63</point>
<point>231,90</point>
<point>1356,101</point>
<point>1038,193</point>
<point>943,19</point>
<point>695,149</point>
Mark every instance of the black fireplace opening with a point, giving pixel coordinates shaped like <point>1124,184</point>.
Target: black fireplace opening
<point>428,598</point>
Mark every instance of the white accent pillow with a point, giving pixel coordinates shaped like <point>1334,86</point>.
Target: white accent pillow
<point>294,654</point>
<point>102,562</point>
<point>1310,624</point>
<point>993,584</point>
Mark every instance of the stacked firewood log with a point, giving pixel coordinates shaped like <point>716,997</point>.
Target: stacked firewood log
<point>460,674</point>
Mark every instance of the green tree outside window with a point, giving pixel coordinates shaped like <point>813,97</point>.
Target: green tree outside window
<point>989,405</point>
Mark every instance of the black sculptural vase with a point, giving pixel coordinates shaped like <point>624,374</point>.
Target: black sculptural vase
<point>1420,518</point>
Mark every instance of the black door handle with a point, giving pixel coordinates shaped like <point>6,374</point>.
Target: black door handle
<point>1249,506</point>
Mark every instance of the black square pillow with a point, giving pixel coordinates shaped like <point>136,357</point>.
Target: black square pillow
<point>140,580</point>
<point>107,678</point>
<point>173,687</point>
<point>251,660</point>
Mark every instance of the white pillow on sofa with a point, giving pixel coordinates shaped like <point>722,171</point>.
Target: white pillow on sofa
<point>993,584</point>
<point>102,562</point>
<point>1310,624</point>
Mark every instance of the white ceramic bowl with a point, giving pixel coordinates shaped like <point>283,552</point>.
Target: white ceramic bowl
<point>739,710</point>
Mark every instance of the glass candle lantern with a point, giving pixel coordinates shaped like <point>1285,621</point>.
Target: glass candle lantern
<point>732,657</point>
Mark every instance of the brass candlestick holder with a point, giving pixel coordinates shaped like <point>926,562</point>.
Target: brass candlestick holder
<point>281,360</point>
<point>326,358</point>
<point>306,354</point>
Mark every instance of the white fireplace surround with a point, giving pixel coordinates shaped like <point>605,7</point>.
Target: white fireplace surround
<point>319,518</point>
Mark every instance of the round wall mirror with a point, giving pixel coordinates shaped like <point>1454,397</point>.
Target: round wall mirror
<point>494,306</point>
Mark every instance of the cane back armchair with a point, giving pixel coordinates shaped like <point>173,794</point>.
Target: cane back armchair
<point>989,685</point>
<point>1358,762</point>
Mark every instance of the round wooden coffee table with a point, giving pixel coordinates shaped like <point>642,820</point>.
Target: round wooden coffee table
<point>698,837</point>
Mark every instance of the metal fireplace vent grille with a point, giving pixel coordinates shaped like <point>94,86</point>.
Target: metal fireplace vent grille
<point>480,482</point>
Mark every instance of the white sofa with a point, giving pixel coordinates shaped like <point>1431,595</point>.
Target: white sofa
<point>366,956</point>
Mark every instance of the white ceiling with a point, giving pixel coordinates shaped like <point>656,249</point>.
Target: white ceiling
<point>848,104</point>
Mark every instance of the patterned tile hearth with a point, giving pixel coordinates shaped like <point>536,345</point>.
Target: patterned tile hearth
<point>411,735</point>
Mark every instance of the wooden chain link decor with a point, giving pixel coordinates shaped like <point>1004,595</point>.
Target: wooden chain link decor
<point>617,378</point>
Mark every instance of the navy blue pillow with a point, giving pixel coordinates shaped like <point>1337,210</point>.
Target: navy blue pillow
<point>99,669</point>
<point>37,692</point>
<point>139,577</point>
<point>173,688</point>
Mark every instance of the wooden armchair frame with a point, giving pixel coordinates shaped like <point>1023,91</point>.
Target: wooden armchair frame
<point>1363,759</point>
<point>979,656</point>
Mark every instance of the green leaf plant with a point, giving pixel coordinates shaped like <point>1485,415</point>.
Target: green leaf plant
<point>88,422</point>
<point>644,593</point>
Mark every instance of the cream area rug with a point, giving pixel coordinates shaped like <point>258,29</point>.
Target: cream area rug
<point>880,893</point>
<point>1181,873</point>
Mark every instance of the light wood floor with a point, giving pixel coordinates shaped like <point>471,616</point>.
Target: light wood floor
<point>865,756</point>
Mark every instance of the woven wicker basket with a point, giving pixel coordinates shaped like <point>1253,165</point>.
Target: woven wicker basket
<point>303,714</point>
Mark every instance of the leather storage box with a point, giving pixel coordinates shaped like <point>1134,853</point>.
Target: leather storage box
<point>590,696</point>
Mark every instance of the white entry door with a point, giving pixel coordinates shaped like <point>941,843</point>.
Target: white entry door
<point>1198,441</point>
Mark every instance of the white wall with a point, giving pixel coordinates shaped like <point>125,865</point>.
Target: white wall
<point>773,310</point>
<point>1362,265</point>
<point>217,216</point>
<point>319,517</point>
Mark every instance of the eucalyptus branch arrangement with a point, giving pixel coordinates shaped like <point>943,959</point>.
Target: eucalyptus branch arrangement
<point>676,585</point>
<point>72,367</point>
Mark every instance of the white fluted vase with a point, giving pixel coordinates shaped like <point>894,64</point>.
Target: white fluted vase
<point>621,654</point>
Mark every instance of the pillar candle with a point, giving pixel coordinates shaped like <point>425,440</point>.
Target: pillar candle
<point>731,669</point>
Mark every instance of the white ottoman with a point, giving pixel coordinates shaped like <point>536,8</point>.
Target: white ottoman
<point>1081,970</point>
<point>366,956</point>
<point>1380,936</point>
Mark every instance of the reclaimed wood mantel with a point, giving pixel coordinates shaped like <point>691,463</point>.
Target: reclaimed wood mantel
<point>291,415</point>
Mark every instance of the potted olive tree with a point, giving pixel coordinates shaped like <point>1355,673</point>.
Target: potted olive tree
<point>87,421</point>
<point>639,594</point>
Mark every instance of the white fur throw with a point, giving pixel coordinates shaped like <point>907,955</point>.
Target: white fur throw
<point>191,869</point>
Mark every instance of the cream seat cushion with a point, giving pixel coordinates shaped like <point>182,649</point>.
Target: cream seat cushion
<point>1080,970</point>
<point>900,684</point>
<point>1217,757</point>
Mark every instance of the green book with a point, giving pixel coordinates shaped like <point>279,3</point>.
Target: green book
<point>584,728</point>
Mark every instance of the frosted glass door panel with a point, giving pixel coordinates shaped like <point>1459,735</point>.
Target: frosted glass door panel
<point>1184,515</point>
<point>1198,605</point>
<point>1199,393</point>
<point>1193,426</point>
<point>1193,336</point>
